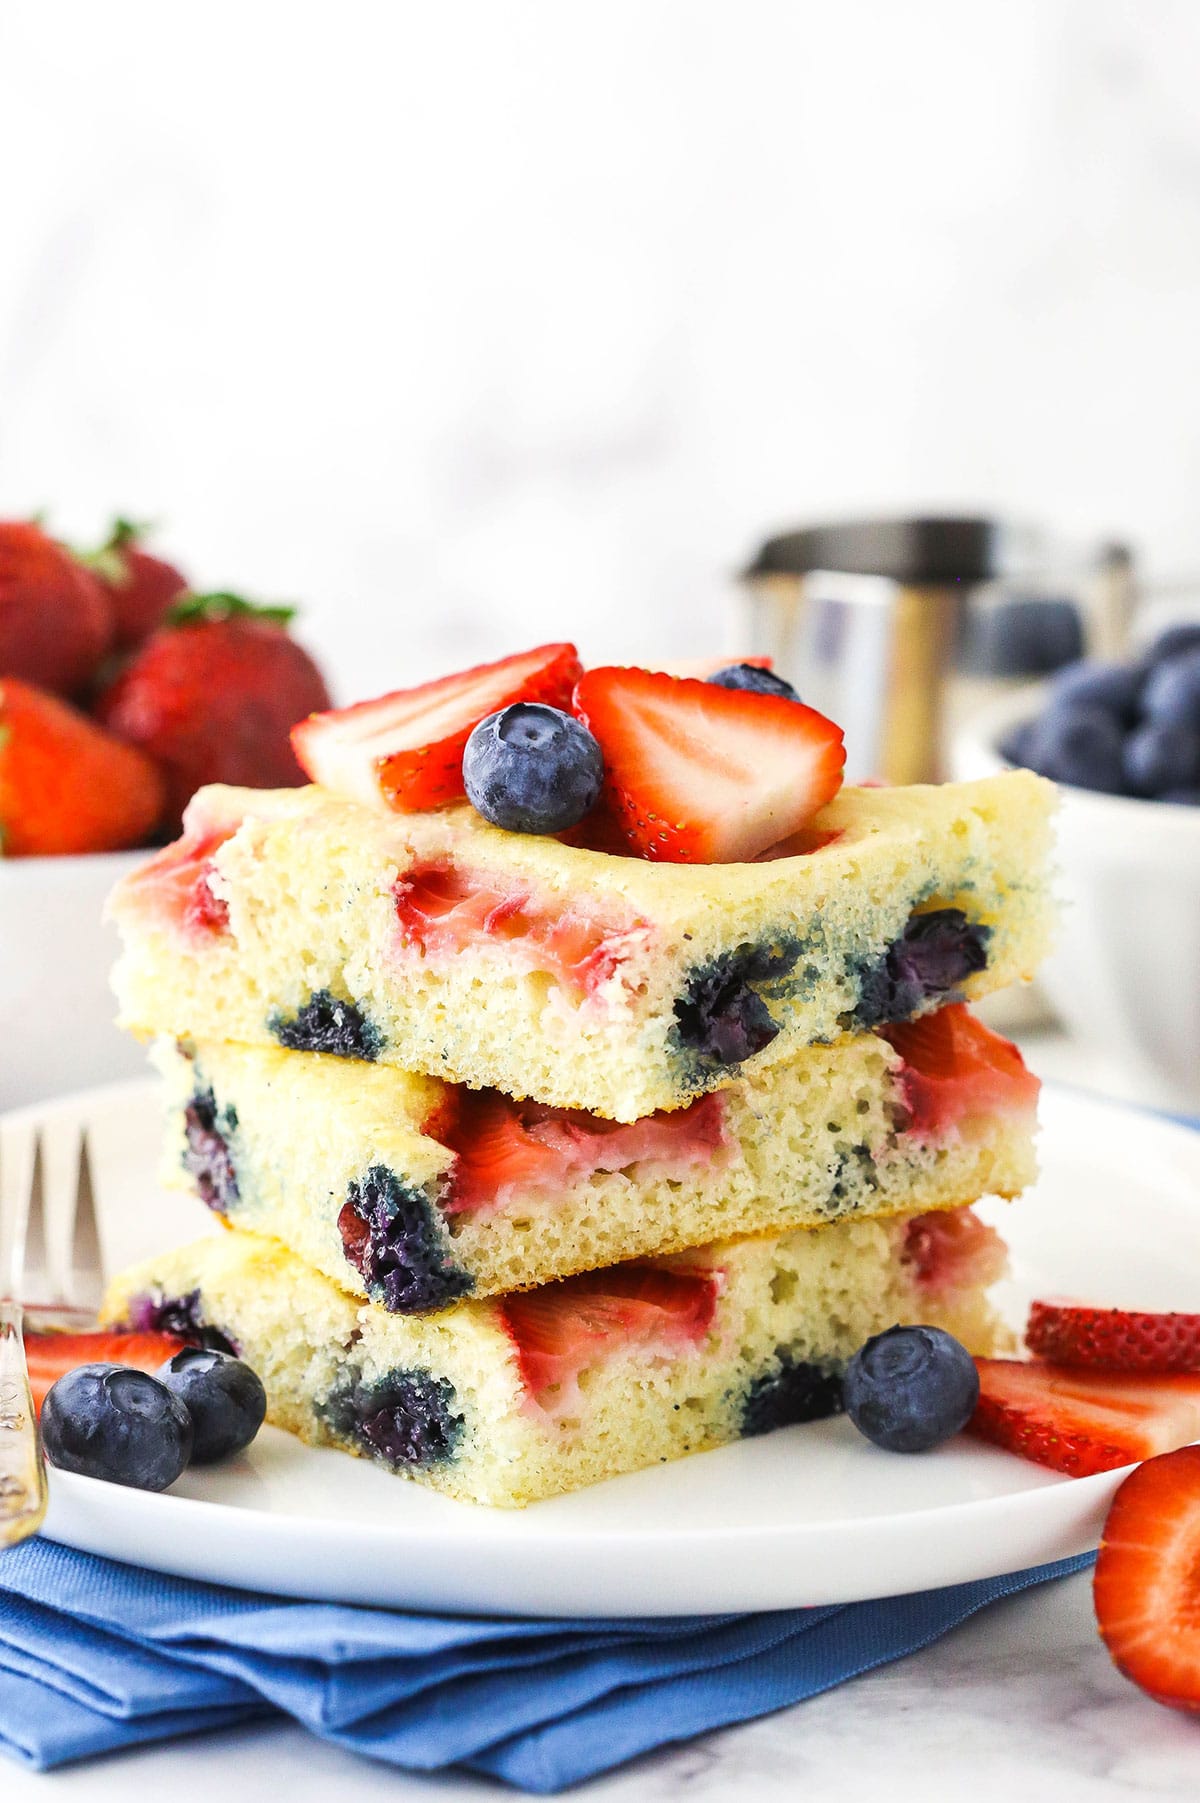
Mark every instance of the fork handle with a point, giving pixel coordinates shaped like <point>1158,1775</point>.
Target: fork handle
<point>23,1494</point>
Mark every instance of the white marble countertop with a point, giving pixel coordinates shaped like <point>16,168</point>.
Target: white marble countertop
<point>1020,1700</point>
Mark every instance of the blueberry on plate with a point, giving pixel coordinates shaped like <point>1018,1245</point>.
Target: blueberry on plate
<point>223,1396</point>
<point>911,1388</point>
<point>124,1426</point>
<point>532,769</point>
<point>1110,688</point>
<point>1172,692</point>
<point>1084,746</point>
<point>1162,755</point>
<point>758,682</point>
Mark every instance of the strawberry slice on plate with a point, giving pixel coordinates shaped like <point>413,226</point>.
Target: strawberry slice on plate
<point>1081,1422</point>
<point>697,774</point>
<point>1145,1585</point>
<point>405,750</point>
<point>955,1068</point>
<point>51,1355</point>
<point>562,1328</point>
<point>1113,1339</point>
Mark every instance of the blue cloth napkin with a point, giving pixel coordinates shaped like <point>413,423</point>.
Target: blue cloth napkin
<point>97,1656</point>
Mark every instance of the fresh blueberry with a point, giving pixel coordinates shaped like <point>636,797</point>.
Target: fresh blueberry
<point>394,1238</point>
<point>124,1426</point>
<point>326,1023</point>
<point>1174,642</point>
<point>223,1396</point>
<point>758,682</point>
<point>1111,688</point>
<point>1182,798</point>
<point>1172,693</point>
<point>532,769</point>
<point>1162,755</point>
<point>207,1157</point>
<point>1024,637</point>
<point>910,1388</point>
<point>1083,746</point>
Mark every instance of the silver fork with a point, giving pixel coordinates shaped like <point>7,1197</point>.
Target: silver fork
<point>47,1225</point>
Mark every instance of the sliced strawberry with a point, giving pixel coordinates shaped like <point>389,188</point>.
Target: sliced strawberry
<point>1082,1422</point>
<point>507,1149</point>
<point>405,750</point>
<point>562,1328</point>
<point>955,1069</point>
<point>1145,1586</point>
<point>1114,1339</point>
<point>704,775</point>
<point>51,1355</point>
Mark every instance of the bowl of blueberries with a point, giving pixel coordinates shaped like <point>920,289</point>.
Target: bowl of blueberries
<point>1123,742</point>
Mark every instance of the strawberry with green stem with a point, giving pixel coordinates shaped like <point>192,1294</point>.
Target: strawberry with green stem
<point>212,697</point>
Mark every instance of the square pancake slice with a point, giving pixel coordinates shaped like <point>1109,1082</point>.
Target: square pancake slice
<point>517,1398</point>
<point>414,1192</point>
<point>582,979</point>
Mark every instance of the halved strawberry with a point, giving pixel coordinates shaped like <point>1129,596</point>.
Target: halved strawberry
<point>1114,1339</point>
<point>699,774</point>
<point>66,785</point>
<point>405,750</point>
<point>51,1355</point>
<point>1082,1422</point>
<point>562,1328</point>
<point>1145,1586</point>
<point>955,1068</point>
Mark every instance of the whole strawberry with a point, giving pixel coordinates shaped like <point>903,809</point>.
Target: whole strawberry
<point>212,696</point>
<point>140,587</point>
<point>55,621</point>
<point>66,785</point>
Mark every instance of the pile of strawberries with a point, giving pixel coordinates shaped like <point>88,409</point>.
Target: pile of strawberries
<point>121,693</point>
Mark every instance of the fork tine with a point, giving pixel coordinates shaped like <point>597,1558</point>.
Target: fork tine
<point>60,1180</point>
<point>87,1253</point>
<point>18,1165</point>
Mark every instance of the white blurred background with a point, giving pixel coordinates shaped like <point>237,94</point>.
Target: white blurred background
<point>516,319</point>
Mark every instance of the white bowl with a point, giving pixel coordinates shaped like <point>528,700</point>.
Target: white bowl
<point>1124,978</point>
<point>57,1031</point>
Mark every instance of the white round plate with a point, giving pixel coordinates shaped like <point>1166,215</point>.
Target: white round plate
<point>807,1515</point>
